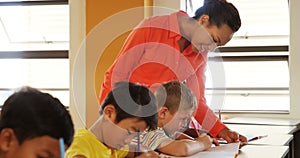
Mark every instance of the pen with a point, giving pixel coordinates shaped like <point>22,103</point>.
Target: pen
<point>220,114</point>
<point>257,137</point>
<point>138,141</point>
<point>62,147</point>
<point>195,128</point>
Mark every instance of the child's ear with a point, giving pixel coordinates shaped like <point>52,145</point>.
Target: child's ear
<point>110,112</point>
<point>163,112</point>
<point>7,139</point>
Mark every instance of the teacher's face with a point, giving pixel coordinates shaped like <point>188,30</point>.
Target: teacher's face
<point>219,36</point>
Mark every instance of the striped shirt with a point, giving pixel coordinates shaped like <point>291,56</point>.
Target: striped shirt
<point>153,139</point>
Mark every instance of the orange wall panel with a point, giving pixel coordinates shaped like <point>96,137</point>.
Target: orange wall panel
<point>97,13</point>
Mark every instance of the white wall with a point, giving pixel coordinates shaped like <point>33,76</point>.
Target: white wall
<point>77,62</point>
<point>294,59</point>
<point>166,6</point>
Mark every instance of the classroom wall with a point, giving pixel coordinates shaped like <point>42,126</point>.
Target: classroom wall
<point>106,25</point>
<point>295,58</point>
<point>166,6</point>
<point>77,63</point>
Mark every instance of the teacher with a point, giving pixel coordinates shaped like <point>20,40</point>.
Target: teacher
<point>175,47</point>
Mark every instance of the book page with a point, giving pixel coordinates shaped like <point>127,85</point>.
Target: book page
<point>224,151</point>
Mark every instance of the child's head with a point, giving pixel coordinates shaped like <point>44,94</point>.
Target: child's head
<point>31,124</point>
<point>176,104</point>
<point>130,106</point>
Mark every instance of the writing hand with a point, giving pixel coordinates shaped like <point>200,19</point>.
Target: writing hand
<point>205,139</point>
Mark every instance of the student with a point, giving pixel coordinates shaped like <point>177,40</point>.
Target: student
<point>175,47</point>
<point>31,124</point>
<point>176,104</point>
<point>126,110</point>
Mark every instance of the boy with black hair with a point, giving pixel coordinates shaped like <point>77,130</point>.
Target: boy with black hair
<point>31,124</point>
<point>127,110</point>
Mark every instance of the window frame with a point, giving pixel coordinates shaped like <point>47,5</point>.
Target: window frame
<point>229,53</point>
<point>33,2</point>
<point>38,54</point>
<point>35,54</point>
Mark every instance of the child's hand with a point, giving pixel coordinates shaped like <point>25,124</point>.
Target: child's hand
<point>149,154</point>
<point>205,140</point>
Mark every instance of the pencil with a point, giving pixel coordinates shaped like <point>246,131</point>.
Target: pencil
<point>257,137</point>
<point>195,128</point>
<point>62,147</point>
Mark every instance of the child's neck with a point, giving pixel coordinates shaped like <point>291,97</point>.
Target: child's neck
<point>160,123</point>
<point>97,130</point>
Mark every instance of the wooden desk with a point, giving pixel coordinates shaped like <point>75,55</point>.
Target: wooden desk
<point>261,130</point>
<point>248,151</point>
<point>277,135</point>
<point>262,121</point>
<point>274,139</point>
<point>259,151</point>
<point>294,126</point>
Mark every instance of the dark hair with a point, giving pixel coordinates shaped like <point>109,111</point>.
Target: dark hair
<point>220,12</point>
<point>31,113</point>
<point>133,100</point>
<point>175,96</point>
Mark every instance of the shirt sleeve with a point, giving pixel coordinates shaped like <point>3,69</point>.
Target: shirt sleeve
<point>127,60</point>
<point>203,114</point>
<point>154,139</point>
<point>76,148</point>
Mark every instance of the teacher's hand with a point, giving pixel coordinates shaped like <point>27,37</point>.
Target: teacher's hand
<point>232,136</point>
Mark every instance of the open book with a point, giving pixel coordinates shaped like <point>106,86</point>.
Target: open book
<point>224,151</point>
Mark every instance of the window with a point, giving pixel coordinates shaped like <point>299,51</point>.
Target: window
<point>34,39</point>
<point>254,63</point>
